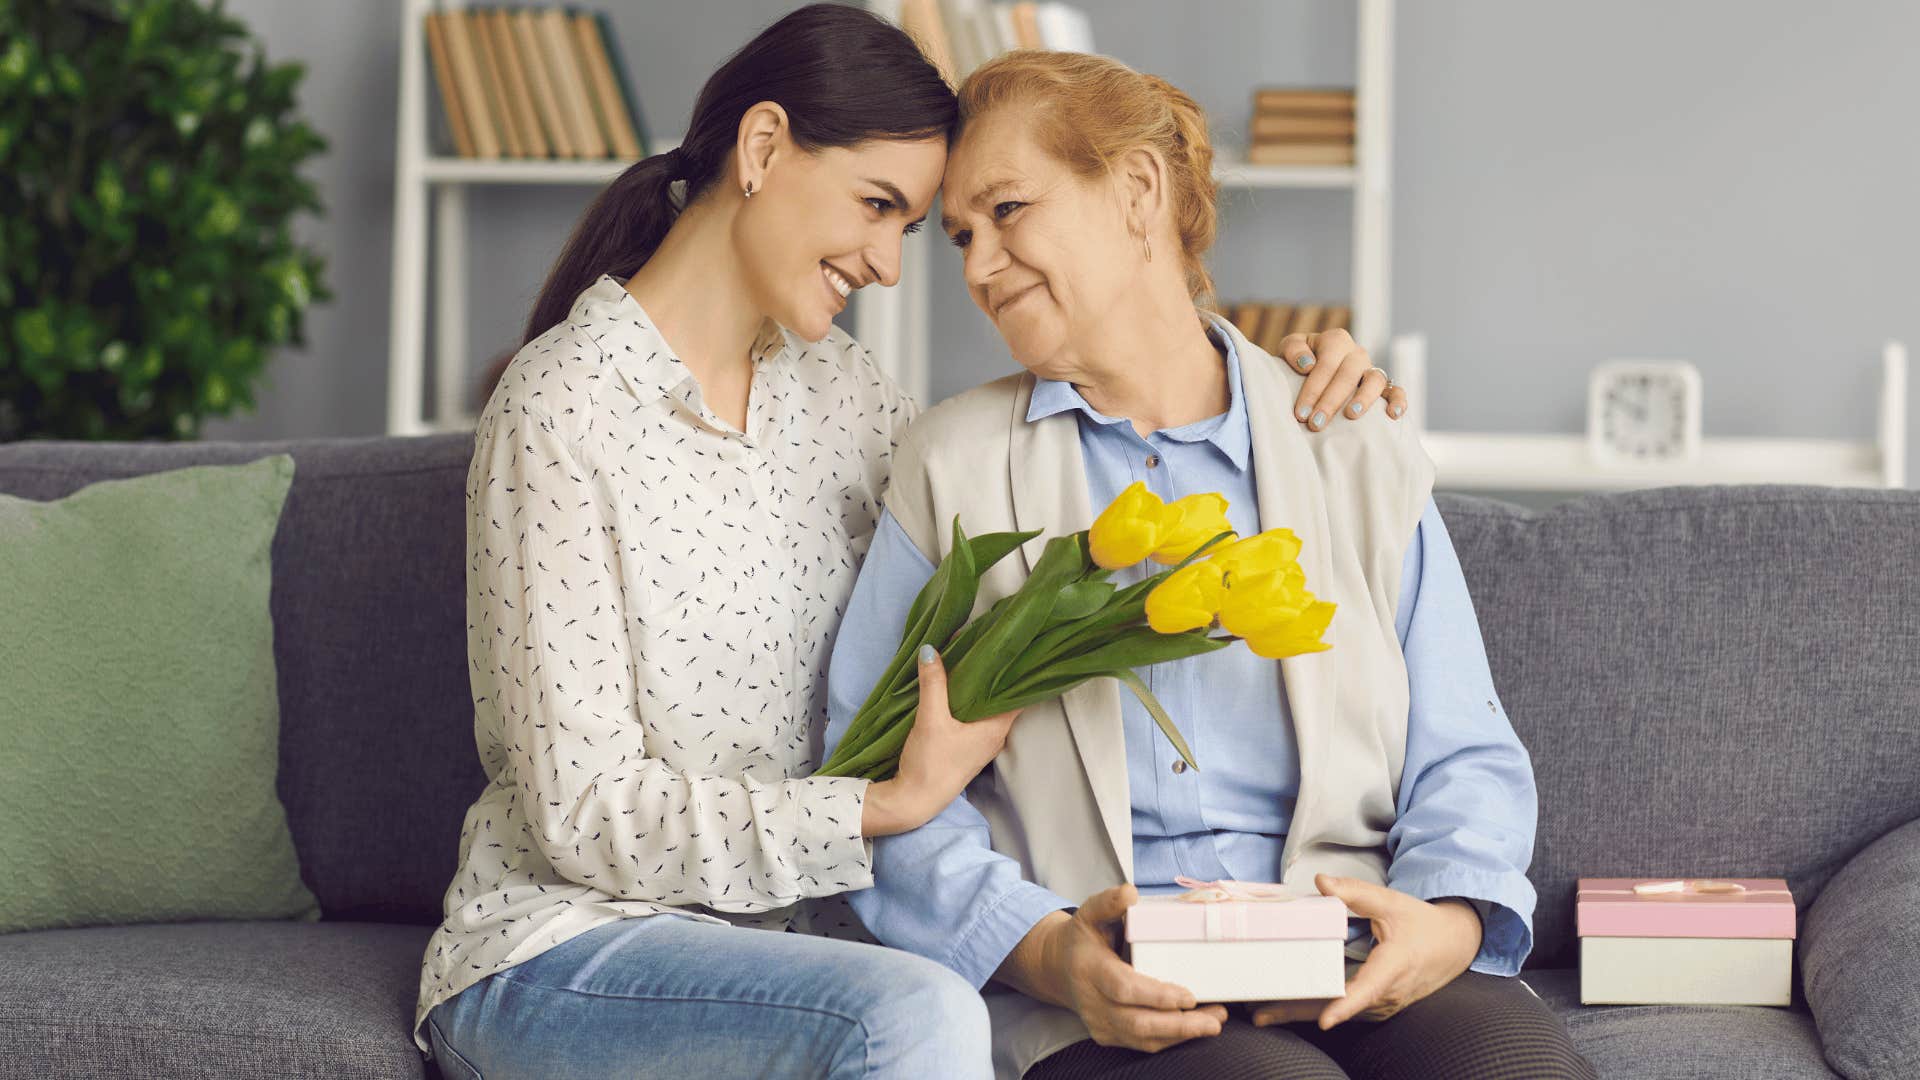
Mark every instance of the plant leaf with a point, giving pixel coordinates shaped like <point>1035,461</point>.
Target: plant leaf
<point>1132,682</point>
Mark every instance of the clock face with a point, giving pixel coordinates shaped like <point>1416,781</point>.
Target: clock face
<point>1644,416</point>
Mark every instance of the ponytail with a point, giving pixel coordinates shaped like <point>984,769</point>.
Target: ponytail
<point>618,233</point>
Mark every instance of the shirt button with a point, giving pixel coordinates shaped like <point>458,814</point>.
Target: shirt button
<point>1180,765</point>
<point>1153,461</point>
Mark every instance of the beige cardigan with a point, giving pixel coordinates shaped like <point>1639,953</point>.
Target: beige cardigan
<point>1056,799</point>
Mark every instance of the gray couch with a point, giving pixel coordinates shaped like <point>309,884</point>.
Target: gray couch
<point>1711,682</point>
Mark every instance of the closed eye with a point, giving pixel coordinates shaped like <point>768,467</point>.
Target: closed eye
<point>961,238</point>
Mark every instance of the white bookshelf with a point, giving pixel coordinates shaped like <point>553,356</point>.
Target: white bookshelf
<point>1474,461</point>
<point>430,232</point>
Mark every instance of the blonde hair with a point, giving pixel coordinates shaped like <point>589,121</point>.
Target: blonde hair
<point>1089,110</point>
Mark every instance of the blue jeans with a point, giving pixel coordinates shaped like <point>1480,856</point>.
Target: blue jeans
<point>671,997</point>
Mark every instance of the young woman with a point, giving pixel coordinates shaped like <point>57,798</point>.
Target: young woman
<point>672,486</point>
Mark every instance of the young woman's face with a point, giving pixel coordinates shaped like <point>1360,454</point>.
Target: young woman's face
<point>1047,254</point>
<point>829,222</point>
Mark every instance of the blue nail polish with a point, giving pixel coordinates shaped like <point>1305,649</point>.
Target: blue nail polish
<point>1307,360</point>
<point>1353,409</point>
<point>1302,414</point>
<point>1319,418</point>
<point>927,655</point>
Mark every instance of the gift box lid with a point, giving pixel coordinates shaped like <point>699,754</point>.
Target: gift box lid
<point>1685,907</point>
<point>1236,911</point>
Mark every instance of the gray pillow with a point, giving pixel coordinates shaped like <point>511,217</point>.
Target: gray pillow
<point>1860,960</point>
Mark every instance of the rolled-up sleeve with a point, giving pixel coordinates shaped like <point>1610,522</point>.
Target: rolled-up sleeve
<point>1467,807</point>
<point>940,890</point>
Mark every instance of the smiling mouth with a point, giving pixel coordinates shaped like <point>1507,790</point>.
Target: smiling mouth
<point>841,285</point>
<point>1015,298</point>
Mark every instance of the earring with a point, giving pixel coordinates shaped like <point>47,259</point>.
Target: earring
<point>749,189</point>
<point>1149,244</point>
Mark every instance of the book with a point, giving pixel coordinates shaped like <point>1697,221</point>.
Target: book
<point>466,75</point>
<point>1026,26</point>
<point>1322,127</point>
<point>1275,327</point>
<point>623,83</point>
<point>493,83</point>
<point>922,22</point>
<point>564,66</point>
<point>1300,154</point>
<point>546,97</point>
<point>450,105</point>
<point>609,110</point>
<point>1303,100</point>
<point>506,49</point>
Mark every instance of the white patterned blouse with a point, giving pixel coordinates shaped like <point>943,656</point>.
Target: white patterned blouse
<point>651,600</point>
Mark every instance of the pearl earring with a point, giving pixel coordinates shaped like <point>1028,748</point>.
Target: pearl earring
<point>749,189</point>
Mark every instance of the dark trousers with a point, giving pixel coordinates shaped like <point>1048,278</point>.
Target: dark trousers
<point>1478,1027</point>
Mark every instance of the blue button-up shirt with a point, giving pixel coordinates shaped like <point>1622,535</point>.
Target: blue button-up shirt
<point>1466,805</point>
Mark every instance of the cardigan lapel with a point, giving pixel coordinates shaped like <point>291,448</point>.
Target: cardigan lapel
<point>1287,481</point>
<point>1049,482</point>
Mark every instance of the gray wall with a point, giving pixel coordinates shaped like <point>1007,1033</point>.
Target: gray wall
<point>1730,182</point>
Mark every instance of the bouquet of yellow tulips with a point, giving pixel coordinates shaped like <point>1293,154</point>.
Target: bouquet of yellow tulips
<point>1069,623</point>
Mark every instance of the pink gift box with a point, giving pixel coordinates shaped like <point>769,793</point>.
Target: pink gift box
<point>1169,918</point>
<point>1684,908</point>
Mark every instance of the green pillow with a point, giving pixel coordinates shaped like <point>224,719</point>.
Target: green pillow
<point>139,715</point>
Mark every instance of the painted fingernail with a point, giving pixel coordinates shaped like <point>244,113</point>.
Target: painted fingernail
<point>1319,418</point>
<point>1353,409</point>
<point>1306,360</point>
<point>1398,409</point>
<point>926,654</point>
<point>1302,414</point>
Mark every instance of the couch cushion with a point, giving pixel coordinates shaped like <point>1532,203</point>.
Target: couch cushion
<point>1711,681</point>
<point>1684,1042</point>
<point>140,729</point>
<point>226,1000</point>
<point>377,761</point>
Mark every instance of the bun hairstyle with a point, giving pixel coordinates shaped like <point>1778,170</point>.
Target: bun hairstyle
<point>1089,110</point>
<point>844,76</point>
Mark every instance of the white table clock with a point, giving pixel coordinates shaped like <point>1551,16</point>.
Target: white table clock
<point>1643,412</point>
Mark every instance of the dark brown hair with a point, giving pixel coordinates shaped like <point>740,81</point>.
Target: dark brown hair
<point>843,75</point>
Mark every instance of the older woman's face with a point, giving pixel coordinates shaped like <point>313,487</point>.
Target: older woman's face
<point>1047,254</point>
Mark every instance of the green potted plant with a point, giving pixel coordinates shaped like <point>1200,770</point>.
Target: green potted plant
<point>149,175</point>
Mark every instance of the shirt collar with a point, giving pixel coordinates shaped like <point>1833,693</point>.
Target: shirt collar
<point>615,321</point>
<point>1229,432</point>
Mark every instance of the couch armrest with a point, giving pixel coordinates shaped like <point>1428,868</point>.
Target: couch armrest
<point>1860,959</point>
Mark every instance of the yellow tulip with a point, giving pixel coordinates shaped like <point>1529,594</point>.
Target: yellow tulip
<point>1129,528</point>
<point>1258,602</point>
<point>1192,521</point>
<point>1296,637</point>
<point>1187,600</point>
<point>1263,552</point>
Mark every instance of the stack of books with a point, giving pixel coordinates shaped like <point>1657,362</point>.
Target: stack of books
<point>1301,127</point>
<point>541,83</point>
<point>960,35</point>
<point>1265,324</point>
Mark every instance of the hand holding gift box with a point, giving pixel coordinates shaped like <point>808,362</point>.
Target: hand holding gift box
<point>1241,941</point>
<point>1685,942</point>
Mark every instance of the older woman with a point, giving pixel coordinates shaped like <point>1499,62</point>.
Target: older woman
<point>1383,772</point>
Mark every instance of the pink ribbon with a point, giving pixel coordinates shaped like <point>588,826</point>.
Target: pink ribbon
<point>1688,887</point>
<point>1213,892</point>
<point>1228,923</point>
